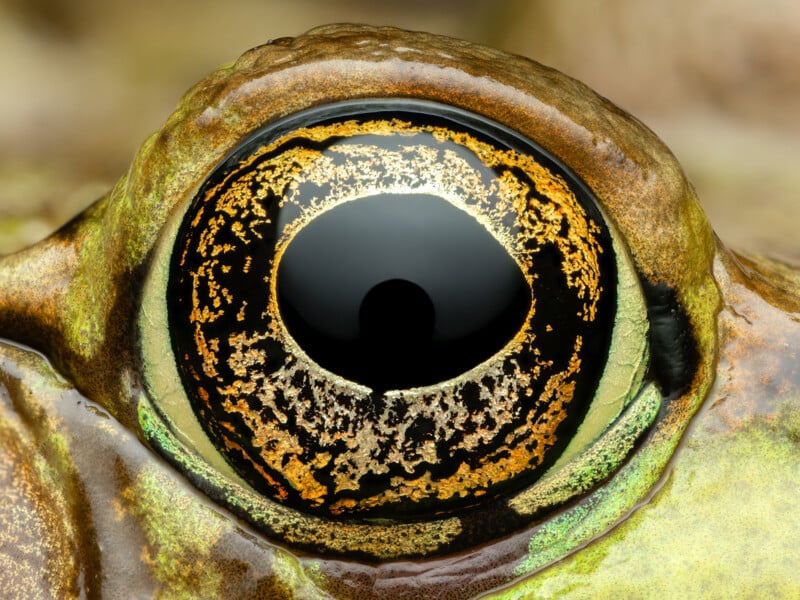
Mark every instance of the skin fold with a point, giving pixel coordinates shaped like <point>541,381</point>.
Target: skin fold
<point>101,496</point>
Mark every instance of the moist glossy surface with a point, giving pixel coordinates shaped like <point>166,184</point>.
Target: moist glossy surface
<point>704,503</point>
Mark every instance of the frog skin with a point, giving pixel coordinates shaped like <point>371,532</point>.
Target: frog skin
<point>101,496</point>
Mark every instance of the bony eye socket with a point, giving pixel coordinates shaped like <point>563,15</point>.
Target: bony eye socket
<point>265,313</point>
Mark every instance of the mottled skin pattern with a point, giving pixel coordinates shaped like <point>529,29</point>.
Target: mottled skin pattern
<point>705,505</point>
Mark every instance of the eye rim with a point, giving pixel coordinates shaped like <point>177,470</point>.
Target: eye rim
<point>663,187</point>
<point>395,119</point>
<point>374,539</point>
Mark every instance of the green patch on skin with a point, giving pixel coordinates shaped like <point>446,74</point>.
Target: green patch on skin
<point>89,296</point>
<point>176,564</point>
<point>591,518</point>
<point>789,421</point>
<point>597,462</point>
<point>724,523</point>
<point>180,563</point>
<point>703,303</point>
<point>296,581</point>
<point>600,511</point>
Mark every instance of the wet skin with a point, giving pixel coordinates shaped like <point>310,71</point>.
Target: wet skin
<point>689,486</point>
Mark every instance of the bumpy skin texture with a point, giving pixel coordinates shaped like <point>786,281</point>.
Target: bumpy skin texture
<point>90,509</point>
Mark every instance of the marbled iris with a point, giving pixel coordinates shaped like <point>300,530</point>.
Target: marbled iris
<point>391,308</point>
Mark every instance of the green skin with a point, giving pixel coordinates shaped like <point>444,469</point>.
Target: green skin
<point>705,505</point>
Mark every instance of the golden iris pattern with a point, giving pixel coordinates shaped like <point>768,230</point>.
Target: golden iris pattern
<point>325,444</point>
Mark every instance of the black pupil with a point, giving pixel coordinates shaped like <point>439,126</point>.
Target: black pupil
<point>396,291</point>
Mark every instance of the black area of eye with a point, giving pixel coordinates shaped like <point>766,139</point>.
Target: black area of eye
<point>396,318</point>
<point>674,356</point>
<point>399,291</point>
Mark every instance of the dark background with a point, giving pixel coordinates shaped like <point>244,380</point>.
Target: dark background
<point>84,82</point>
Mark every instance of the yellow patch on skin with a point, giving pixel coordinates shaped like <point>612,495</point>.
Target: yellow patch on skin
<point>181,564</point>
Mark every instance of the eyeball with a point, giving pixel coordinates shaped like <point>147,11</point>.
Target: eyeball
<point>388,321</point>
<point>395,309</point>
<point>390,309</point>
<point>389,313</point>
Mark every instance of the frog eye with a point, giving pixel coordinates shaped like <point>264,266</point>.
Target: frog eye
<point>387,296</point>
<point>395,309</point>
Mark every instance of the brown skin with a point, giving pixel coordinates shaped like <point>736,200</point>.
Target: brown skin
<point>105,515</point>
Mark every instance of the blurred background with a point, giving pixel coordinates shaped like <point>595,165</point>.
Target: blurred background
<point>85,81</point>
